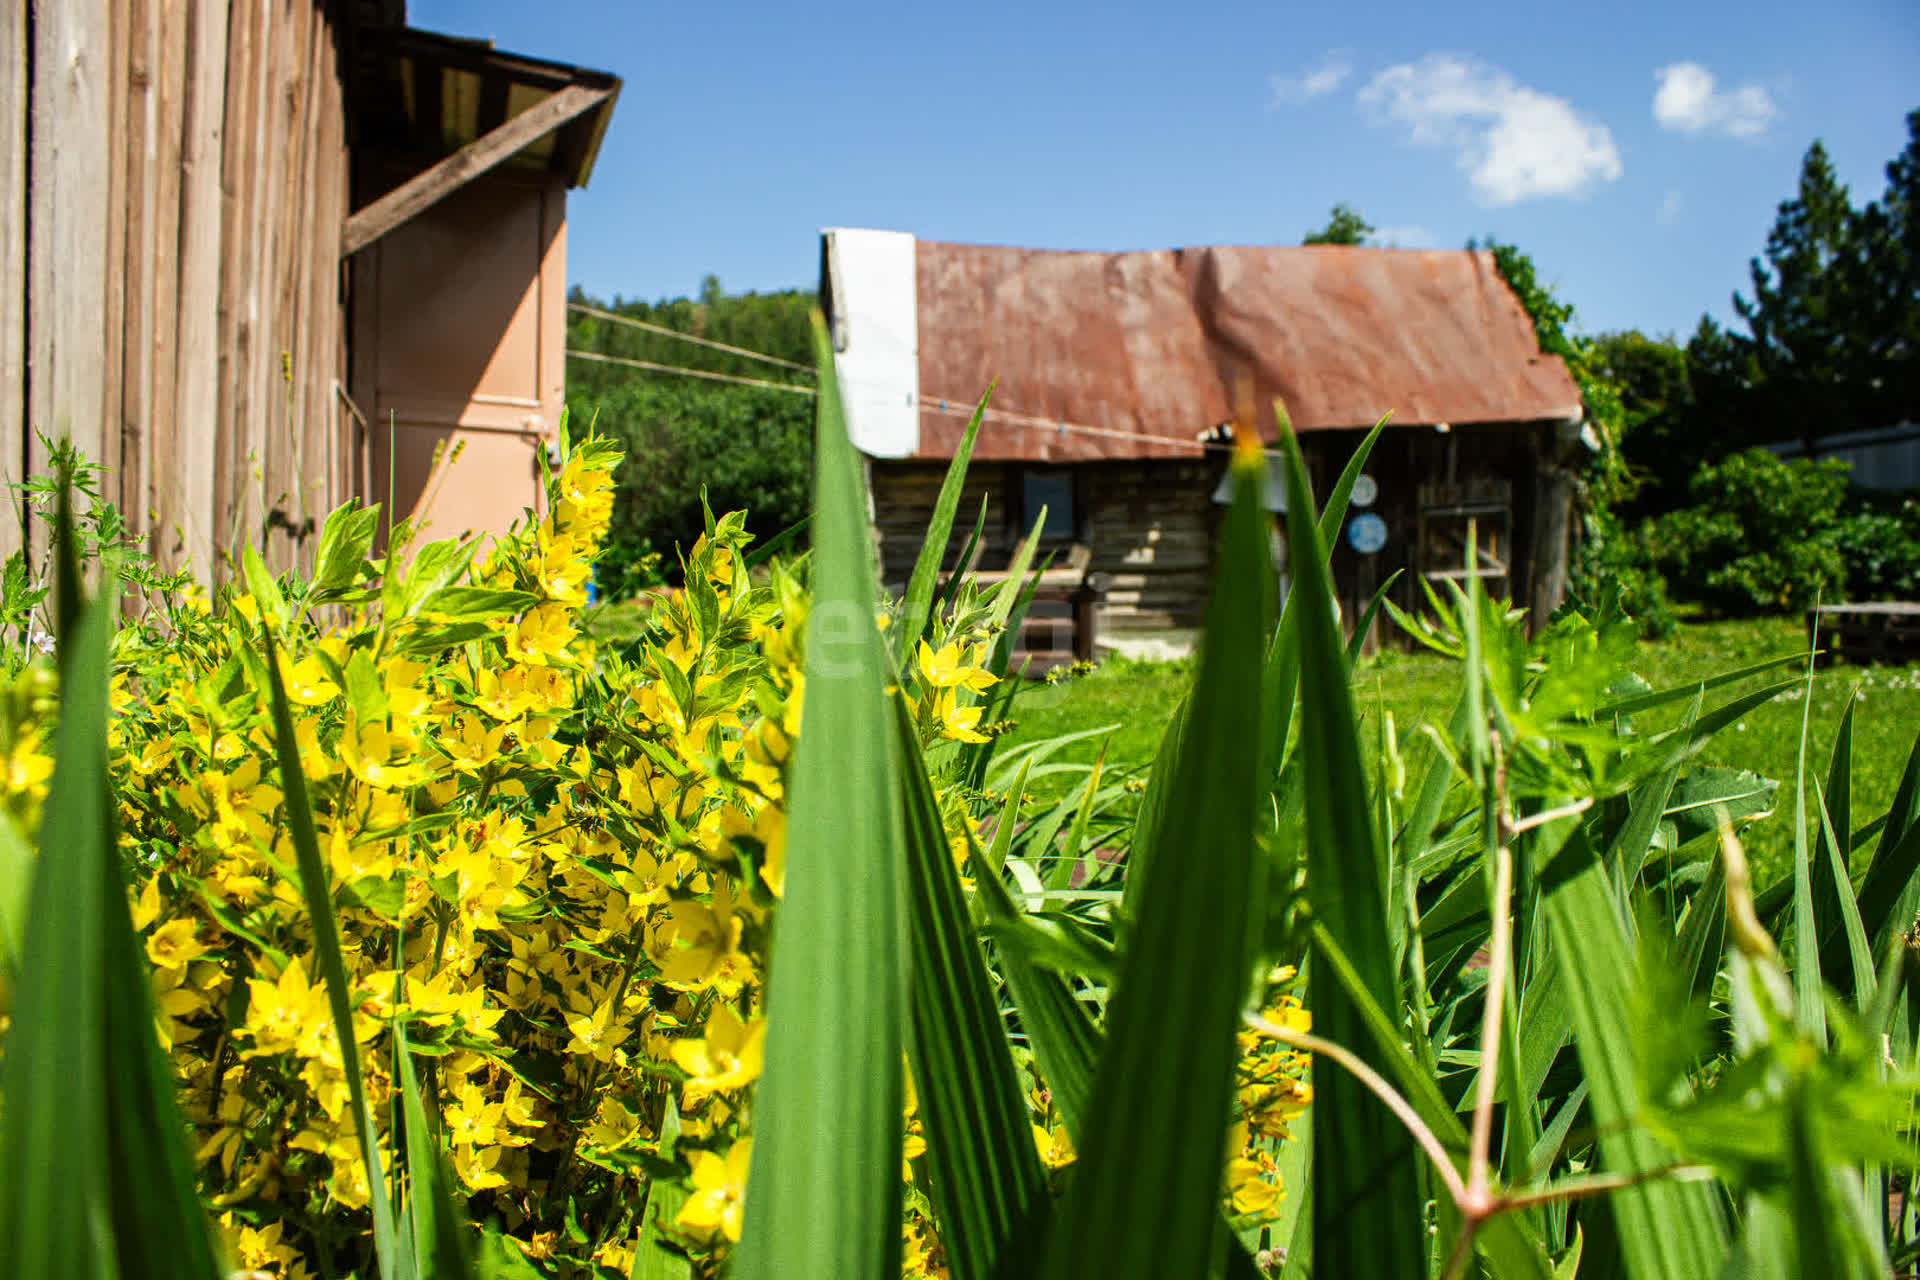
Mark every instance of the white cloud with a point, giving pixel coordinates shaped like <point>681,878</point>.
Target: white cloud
<point>1670,209</point>
<point>1514,142</point>
<point>1323,78</point>
<point>1688,100</point>
<point>1409,237</point>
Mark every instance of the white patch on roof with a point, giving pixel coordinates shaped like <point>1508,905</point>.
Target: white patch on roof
<point>871,279</point>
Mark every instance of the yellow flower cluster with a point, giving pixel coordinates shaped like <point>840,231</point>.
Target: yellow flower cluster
<point>554,865</point>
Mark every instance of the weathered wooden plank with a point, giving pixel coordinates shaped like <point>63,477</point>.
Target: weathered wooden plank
<point>427,189</point>
<point>14,145</point>
<point>140,112</point>
<point>171,71</point>
<point>238,276</point>
<point>185,486</point>
<point>112,317</point>
<point>67,235</point>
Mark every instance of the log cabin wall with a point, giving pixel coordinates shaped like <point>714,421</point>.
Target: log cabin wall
<point>173,179</point>
<point>1150,526</point>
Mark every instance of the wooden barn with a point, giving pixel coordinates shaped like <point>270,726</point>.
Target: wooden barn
<point>1118,372</point>
<point>247,245</point>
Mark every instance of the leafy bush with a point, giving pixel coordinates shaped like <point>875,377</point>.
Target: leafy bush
<point>1759,537</point>
<point>1879,543</point>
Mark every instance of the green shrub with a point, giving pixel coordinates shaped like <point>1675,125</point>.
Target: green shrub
<point>745,448</point>
<point>1880,545</point>
<point>1759,537</point>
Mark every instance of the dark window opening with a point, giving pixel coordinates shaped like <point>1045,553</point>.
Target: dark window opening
<point>1052,489</point>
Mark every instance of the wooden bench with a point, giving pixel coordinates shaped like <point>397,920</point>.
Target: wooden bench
<point>1062,620</point>
<point>1882,632</point>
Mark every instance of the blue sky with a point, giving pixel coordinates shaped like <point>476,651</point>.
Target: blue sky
<point>1637,150</point>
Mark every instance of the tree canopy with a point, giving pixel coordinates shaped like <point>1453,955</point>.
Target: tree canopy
<point>1344,226</point>
<point>1832,326</point>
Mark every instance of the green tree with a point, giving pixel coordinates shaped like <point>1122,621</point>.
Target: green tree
<point>1344,226</point>
<point>748,446</point>
<point>1832,329</point>
<point>1653,378</point>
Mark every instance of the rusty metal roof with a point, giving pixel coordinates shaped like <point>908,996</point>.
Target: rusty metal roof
<point>1152,347</point>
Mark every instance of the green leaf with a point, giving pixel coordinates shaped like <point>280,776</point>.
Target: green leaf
<point>1808,991</point>
<point>260,583</point>
<point>826,1157</point>
<point>987,1182</point>
<point>1667,1230</point>
<point>915,609</point>
<point>1365,1164</point>
<point>1143,1202</point>
<point>95,1178</point>
<point>441,1241</point>
<point>473,604</point>
<point>1832,881</point>
<point>16,888</point>
<point>346,540</point>
<point>315,892</point>
<point>1852,931</point>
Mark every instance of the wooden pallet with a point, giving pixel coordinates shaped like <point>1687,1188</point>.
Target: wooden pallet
<point>1888,631</point>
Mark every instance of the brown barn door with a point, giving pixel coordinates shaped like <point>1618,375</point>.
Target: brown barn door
<point>459,355</point>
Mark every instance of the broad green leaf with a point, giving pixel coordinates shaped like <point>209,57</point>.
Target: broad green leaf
<point>1143,1201</point>
<point>473,604</point>
<point>95,1178</point>
<point>346,540</point>
<point>1365,1164</point>
<point>825,1173</point>
<point>987,1182</point>
<point>1667,1230</point>
<point>916,608</point>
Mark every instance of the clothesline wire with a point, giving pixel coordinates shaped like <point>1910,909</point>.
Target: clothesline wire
<point>939,404</point>
<point>665,332</point>
<point>651,367</point>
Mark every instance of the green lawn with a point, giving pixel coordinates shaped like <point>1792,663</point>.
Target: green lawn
<point>1136,699</point>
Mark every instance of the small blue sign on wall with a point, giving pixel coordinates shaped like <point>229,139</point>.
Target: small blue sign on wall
<point>1366,533</point>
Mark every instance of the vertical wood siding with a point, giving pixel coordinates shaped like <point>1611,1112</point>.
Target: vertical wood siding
<point>173,179</point>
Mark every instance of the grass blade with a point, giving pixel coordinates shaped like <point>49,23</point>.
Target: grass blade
<point>95,1179</point>
<point>1809,1004</point>
<point>318,899</point>
<point>988,1187</point>
<point>824,1184</point>
<point>1144,1198</point>
<point>1852,931</point>
<point>1887,895</point>
<point>442,1246</point>
<point>915,610</point>
<point>1832,882</point>
<point>1365,1170</point>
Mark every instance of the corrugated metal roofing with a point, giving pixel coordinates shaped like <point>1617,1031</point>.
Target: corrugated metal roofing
<point>1154,344</point>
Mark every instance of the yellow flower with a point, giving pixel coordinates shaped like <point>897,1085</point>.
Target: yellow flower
<point>174,943</point>
<point>727,1058</point>
<point>719,1192</point>
<point>955,721</point>
<point>943,669</point>
<point>307,682</point>
<point>1056,1148</point>
<point>287,1014</point>
<point>1248,1190</point>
